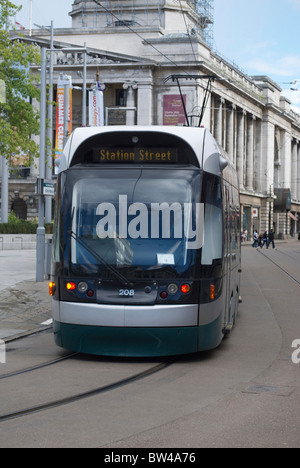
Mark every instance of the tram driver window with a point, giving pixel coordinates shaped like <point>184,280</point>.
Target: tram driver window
<point>213,222</point>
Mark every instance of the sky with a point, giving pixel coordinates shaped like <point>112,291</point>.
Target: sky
<point>44,11</point>
<point>260,36</point>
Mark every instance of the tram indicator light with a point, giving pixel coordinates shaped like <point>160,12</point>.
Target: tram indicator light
<point>164,295</point>
<point>71,286</point>
<point>185,288</point>
<point>90,293</point>
<point>52,288</point>
<point>212,293</point>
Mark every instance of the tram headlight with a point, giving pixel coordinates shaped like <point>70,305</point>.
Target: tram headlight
<point>172,288</point>
<point>82,287</point>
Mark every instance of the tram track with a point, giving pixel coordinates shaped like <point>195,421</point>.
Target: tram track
<point>89,393</point>
<point>280,267</point>
<point>37,366</point>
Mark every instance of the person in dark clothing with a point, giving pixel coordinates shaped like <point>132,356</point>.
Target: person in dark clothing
<point>271,239</point>
<point>264,239</point>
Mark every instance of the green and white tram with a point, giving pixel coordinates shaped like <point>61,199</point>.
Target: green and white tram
<point>146,251</point>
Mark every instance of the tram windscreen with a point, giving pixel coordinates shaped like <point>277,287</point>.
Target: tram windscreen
<point>143,219</point>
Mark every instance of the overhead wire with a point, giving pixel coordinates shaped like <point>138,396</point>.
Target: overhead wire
<point>208,88</point>
<point>206,94</point>
<point>188,32</point>
<point>209,84</point>
<point>140,36</point>
<point>130,28</point>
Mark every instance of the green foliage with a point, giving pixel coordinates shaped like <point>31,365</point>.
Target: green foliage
<point>19,120</point>
<point>13,219</point>
<point>21,226</point>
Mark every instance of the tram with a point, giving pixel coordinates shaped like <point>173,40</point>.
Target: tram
<point>146,248</point>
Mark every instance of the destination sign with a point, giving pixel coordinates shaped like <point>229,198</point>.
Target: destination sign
<point>135,155</point>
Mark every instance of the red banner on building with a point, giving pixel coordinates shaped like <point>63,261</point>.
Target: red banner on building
<point>173,111</point>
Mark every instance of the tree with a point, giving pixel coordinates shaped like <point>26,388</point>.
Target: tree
<point>19,120</point>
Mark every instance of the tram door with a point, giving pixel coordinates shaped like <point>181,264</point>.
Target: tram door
<point>227,253</point>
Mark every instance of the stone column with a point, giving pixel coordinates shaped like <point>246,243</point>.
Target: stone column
<point>145,105</point>
<point>219,120</point>
<point>250,153</point>
<point>258,158</point>
<point>240,146</point>
<point>298,176</point>
<point>230,132</point>
<point>268,145</point>
<point>294,169</point>
<point>286,159</point>
<point>131,102</point>
<point>277,158</point>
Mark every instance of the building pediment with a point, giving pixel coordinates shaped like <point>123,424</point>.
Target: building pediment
<point>69,58</point>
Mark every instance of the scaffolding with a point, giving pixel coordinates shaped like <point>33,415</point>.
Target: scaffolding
<point>132,12</point>
<point>145,13</point>
<point>205,10</point>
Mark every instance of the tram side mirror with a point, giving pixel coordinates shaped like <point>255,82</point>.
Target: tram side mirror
<point>215,164</point>
<point>60,164</point>
<point>223,163</point>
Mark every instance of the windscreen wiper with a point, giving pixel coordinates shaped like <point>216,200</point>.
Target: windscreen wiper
<point>113,270</point>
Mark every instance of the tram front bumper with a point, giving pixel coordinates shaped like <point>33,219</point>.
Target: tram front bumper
<point>140,331</point>
<point>137,342</point>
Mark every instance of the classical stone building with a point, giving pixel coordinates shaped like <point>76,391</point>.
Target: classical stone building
<point>133,47</point>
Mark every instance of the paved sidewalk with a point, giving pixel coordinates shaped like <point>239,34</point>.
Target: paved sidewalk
<point>16,266</point>
<point>24,308</point>
<point>24,304</point>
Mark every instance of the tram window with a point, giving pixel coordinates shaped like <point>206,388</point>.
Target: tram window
<point>57,224</point>
<point>213,222</point>
<point>135,228</point>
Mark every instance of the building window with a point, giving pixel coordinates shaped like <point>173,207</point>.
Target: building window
<point>121,97</point>
<point>19,172</point>
<point>124,23</point>
<point>19,207</point>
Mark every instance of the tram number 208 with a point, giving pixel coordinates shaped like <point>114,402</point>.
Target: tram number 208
<point>126,292</point>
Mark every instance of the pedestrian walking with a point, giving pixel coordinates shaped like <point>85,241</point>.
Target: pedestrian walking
<point>255,239</point>
<point>260,240</point>
<point>244,235</point>
<point>264,239</point>
<point>271,239</point>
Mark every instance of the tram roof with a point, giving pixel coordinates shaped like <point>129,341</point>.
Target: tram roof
<point>210,156</point>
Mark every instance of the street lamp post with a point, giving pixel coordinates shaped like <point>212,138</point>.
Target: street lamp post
<point>48,201</point>
<point>40,234</point>
<point>4,166</point>
<point>4,191</point>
